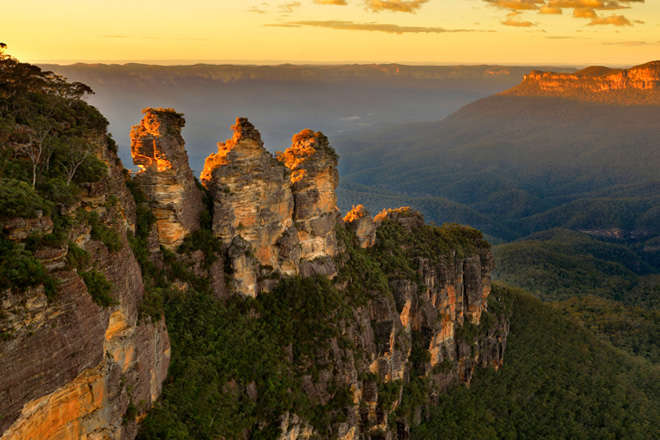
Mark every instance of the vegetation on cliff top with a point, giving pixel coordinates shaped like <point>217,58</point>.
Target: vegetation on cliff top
<point>238,364</point>
<point>51,142</point>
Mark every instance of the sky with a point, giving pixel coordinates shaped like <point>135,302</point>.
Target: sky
<point>523,32</point>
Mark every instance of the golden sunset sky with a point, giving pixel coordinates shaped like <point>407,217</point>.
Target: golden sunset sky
<point>571,32</point>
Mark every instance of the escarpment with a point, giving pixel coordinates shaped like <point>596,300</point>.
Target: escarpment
<point>639,85</point>
<point>76,361</point>
<point>165,175</point>
<point>285,320</point>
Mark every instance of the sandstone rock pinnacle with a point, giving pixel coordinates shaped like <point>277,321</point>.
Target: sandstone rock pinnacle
<point>314,179</point>
<point>362,224</point>
<point>165,177</point>
<point>252,199</point>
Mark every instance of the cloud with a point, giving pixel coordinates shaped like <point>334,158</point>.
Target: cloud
<point>630,43</point>
<point>331,2</point>
<point>584,13</point>
<point>511,20</point>
<point>550,10</point>
<point>395,5</point>
<point>616,20</point>
<point>374,27</point>
<point>288,8</point>
<point>582,9</point>
<point>256,10</point>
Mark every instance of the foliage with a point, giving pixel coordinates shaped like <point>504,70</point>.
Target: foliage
<point>559,264</point>
<point>18,199</point>
<point>99,288</point>
<point>108,236</point>
<point>220,348</point>
<point>558,381</point>
<point>634,329</point>
<point>19,269</point>
<point>77,257</point>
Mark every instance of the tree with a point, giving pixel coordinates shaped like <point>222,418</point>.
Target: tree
<point>79,151</point>
<point>36,146</point>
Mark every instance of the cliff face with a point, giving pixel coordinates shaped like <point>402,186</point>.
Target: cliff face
<point>165,177</point>
<point>70,368</point>
<point>638,85</point>
<point>407,304</point>
<point>422,333</point>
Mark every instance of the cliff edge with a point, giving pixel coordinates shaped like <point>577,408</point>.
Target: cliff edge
<point>639,85</point>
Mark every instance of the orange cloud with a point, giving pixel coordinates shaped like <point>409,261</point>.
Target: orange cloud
<point>331,2</point>
<point>513,21</point>
<point>616,20</point>
<point>581,9</point>
<point>584,13</point>
<point>376,27</point>
<point>395,5</point>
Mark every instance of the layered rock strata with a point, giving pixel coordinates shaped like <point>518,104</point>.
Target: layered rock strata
<point>252,208</point>
<point>275,216</point>
<point>71,369</point>
<point>165,177</point>
<point>426,329</point>
<point>638,85</point>
<point>314,180</point>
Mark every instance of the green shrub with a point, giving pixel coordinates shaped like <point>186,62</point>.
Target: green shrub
<point>77,257</point>
<point>99,288</point>
<point>108,236</point>
<point>18,199</point>
<point>19,269</point>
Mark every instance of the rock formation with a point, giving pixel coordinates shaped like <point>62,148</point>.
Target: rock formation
<point>314,179</point>
<point>362,225</point>
<point>73,369</point>
<point>69,368</point>
<point>423,329</point>
<point>253,208</point>
<point>274,216</point>
<point>638,85</point>
<point>165,177</point>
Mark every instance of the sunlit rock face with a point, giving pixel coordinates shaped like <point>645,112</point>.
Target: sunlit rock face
<point>363,226</point>
<point>274,215</point>
<point>638,85</point>
<point>165,177</point>
<point>253,208</point>
<point>314,179</point>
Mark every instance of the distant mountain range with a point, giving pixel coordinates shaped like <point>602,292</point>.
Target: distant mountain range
<point>283,99</point>
<point>522,161</point>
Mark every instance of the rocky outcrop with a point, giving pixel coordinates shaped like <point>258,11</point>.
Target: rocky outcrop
<point>70,368</point>
<point>412,300</point>
<point>314,179</point>
<point>362,225</point>
<point>639,85</point>
<point>165,175</point>
<point>253,209</point>
<point>275,216</point>
<point>425,332</point>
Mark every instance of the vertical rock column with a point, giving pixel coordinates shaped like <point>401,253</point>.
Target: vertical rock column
<point>165,177</point>
<point>253,209</point>
<point>314,179</point>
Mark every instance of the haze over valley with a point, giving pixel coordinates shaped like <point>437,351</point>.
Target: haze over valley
<point>422,220</point>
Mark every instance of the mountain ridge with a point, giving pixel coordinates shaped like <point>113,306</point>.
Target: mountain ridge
<point>638,85</point>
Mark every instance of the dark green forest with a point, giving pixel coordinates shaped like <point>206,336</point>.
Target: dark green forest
<point>559,381</point>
